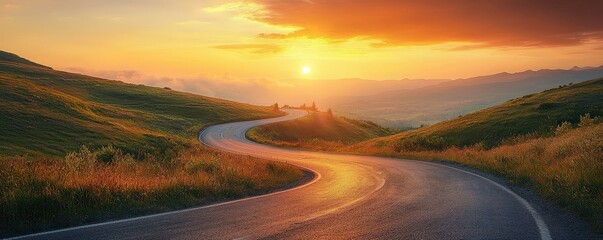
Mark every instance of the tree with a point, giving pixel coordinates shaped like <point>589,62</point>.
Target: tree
<point>303,106</point>
<point>314,107</point>
<point>330,112</point>
<point>276,108</point>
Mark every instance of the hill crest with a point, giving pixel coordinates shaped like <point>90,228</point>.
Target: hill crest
<point>14,58</point>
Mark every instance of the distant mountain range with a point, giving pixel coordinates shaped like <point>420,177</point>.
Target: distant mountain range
<point>406,108</point>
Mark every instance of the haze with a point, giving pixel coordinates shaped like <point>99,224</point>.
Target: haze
<point>247,50</point>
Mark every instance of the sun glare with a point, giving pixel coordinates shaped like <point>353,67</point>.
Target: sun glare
<point>306,70</point>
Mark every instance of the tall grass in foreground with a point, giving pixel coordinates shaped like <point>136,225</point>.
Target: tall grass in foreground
<point>40,193</point>
<point>566,168</point>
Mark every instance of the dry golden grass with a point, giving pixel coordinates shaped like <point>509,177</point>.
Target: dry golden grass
<point>566,169</point>
<point>565,166</point>
<point>39,193</point>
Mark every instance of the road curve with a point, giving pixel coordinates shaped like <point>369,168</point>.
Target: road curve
<point>350,197</point>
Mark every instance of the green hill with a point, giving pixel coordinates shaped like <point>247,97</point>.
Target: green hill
<point>54,112</point>
<point>76,149</point>
<point>536,114</point>
<point>317,130</point>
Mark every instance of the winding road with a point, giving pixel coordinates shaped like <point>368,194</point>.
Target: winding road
<point>349,197</point>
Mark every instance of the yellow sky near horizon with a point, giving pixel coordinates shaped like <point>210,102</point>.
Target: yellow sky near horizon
<point>250,40</point>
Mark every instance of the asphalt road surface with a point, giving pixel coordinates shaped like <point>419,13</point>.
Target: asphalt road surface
<point>350,196</point>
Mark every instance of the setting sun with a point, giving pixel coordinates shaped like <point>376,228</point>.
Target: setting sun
<point>306,70</point>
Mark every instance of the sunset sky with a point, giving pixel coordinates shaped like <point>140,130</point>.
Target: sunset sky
<point>270,42</point>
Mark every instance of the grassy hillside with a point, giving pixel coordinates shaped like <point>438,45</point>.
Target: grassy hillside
<point>53,112</point>
<point>76,149</point>
<point>565,168</point>
<point>535,114</point>
<point>317,130</point>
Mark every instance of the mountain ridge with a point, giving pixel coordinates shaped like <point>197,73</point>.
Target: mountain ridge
<point>14,58</point>
<point>430,104</point>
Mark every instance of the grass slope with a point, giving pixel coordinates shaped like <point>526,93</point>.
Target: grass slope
<point>536,114</point>
<point>140,152</point>
<point>316,129</point>
<point>53,112</point>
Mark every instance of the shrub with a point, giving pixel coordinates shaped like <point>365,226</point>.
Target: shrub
<point>480,146</point>
<point>586,120</point>
<point>563,128</point>
<point>107,154</point>
<point>113,155</point>
<point>81,160</point>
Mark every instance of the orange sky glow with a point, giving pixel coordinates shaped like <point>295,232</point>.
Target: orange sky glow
<point>269,41</point>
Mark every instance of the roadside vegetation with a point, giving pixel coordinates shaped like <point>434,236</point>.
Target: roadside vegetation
<point>90,185</point>
<point>76,149</point>
<point>566,168</point>
<point>551,142</point>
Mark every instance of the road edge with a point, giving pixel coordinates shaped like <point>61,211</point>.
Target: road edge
<point>309,177</point>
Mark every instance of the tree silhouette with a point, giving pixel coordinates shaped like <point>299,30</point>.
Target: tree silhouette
<point>314,107</point>
<point>276,108</point>
<point>330,112</point>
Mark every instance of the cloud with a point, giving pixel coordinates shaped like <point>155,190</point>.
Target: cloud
<point>192,23</point>
<point>515,23</point>
<point>256,91</point>
<point>244,8</point>
<point>253,48</point>
<point>9,8</point>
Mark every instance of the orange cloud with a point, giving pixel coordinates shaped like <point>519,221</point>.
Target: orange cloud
<point>482,23</point>
<point>253,48</point>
